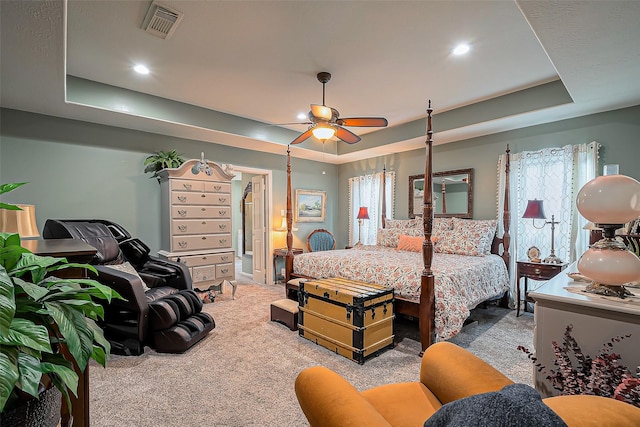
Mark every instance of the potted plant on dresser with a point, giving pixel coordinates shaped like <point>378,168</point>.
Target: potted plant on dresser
<point>162,160</point>
<point>40,316</point>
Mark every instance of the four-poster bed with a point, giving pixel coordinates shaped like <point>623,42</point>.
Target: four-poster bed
<point>420,302</point>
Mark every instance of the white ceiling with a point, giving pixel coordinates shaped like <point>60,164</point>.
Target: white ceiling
<point>258,60</point>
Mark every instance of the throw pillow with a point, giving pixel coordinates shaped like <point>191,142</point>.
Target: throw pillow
<point>128,268</point>
<point>410,243</point>
<point>516,405</point>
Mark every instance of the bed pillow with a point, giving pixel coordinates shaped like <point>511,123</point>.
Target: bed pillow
<point>440,225</point>
<point>483,230</point>
<point>398,224</point>
<point>128,268</point>
<point>468,237</point>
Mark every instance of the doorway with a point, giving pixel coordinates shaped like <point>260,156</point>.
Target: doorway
<point>253,220</point>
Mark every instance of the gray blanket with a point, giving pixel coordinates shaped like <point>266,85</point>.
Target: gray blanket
<point>516,405</point>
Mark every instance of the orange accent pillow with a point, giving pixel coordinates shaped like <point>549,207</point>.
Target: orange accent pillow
<point>410,243</point>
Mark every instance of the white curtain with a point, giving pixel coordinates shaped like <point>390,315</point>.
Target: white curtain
<point>366,191</point>
<point>553,175</point>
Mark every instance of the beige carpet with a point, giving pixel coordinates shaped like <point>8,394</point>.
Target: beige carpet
<point>243,373</point>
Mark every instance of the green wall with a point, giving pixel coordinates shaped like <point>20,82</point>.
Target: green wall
<point>72,173</point>
<point>618,132</point>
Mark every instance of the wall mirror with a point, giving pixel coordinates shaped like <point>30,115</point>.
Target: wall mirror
<point>452,194</point>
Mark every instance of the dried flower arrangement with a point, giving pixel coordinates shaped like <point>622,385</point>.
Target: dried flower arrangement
<point>600,376</point>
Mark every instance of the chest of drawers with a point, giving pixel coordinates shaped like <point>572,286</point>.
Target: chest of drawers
<point>196,222</point>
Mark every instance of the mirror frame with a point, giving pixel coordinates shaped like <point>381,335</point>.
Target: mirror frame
<point>467,215</point>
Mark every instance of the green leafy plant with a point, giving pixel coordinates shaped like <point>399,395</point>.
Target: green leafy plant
<point>578,373</point>
<point>39,315</point>
<point>161,160</point>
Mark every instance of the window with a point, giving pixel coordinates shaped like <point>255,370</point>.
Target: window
<point>367,191</point>
<point>553,175</point>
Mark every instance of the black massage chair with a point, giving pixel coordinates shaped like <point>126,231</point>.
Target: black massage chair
<point>160,309</point>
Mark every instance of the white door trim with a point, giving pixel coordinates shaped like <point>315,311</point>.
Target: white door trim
<point>269,206</point>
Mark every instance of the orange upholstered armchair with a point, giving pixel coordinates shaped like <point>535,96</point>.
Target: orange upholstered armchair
<point>448,373</point>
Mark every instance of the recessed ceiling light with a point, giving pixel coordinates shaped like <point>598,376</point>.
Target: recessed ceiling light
<point>461,49</point>
<point>302,116</point>
<point>141,69</point>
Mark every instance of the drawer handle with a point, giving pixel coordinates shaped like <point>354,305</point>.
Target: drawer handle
<point>204,222</point>
<point>204,238</point>
<point>222,226</point>
<point>182,228</point>
<point>222,212</point>
<point>182,244</point>
<point>187,186</point>
<point>222,199</point>
<point>182,212</point>
<point>222,241</point>
<point>204,257</point>
<point>217,187</point>
<point>203,195</point>
<point>537,271</point>
<point>203,209</point>
<point>224,270</point>
<point>182,199</point>
<point>224,258</point>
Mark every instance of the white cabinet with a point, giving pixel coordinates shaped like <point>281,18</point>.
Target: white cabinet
<point>596,320</point>
<point>196,222</point>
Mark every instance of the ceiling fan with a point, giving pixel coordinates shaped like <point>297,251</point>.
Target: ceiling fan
<point>326,122</point>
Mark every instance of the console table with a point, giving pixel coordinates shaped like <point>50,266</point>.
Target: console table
<point>77,251</point>
<point>595,319</point>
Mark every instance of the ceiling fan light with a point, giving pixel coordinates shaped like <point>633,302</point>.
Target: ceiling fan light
<point>323,132</point>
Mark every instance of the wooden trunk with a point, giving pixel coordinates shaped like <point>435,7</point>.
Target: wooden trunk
<point>351,318</point>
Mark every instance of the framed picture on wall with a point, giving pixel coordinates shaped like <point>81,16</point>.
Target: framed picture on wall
<point>310,206</point>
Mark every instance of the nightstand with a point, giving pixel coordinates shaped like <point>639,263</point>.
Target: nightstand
<point>282,252</point>
<point>534,271</point>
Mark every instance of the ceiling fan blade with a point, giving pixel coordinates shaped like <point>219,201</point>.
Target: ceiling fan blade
<point>321,111</point>
<point>364,121</point>
<point>303,136</point>
<point>347,136</point>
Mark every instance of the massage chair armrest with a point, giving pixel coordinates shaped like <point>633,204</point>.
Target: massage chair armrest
<point>173,273</point>
<point>451,373</point>
<point>328,400</point>
<point>127,285</point>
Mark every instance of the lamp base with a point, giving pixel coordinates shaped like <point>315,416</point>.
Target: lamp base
<point>618,291</point>
<point>552,259</point>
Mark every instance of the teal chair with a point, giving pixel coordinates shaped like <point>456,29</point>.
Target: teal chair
<point>320,240</point>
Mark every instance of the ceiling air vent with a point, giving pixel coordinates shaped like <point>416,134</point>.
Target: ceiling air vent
<point>161,21</point>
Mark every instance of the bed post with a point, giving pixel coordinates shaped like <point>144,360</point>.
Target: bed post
<point>384,194</point>
<point>426,316</point>
<point>288,260</point>
<point>506,213</point>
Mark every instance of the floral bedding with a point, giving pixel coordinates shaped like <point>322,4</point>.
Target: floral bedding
<point>461,282</point>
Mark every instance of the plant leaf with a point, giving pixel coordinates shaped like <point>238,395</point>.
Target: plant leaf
<point>9,372</point>
<point>60,315</point>
<point>5,188</point>
<point>7,302</point>
<point>30,374</point>
<point>24,332</point>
